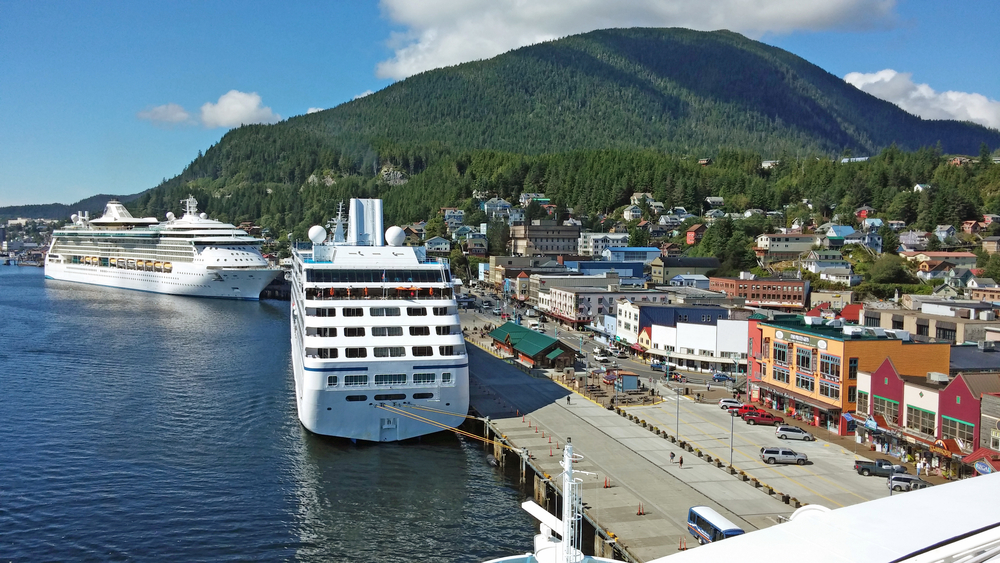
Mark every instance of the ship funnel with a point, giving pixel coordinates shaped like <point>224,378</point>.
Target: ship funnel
<point>364,227</point>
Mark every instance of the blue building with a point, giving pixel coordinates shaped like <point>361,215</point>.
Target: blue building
<point>629,273</point>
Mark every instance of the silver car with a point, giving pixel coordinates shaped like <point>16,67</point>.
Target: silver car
<point>771,456</point>
<point>792,433</point>
<point>902,482</point>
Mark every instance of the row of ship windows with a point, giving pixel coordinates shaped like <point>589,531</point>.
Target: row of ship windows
<point>375,276</point>
<point>328,332</point>
<point>326,294</point>
<point>385,352</point>
<point>388,379</point>
<point>378,312</point>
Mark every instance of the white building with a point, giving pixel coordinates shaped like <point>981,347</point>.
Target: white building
<point>593,244</point>
<point>704,348</point>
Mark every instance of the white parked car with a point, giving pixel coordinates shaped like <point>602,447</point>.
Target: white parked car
<point>729,403</point>
<point>793,433</point>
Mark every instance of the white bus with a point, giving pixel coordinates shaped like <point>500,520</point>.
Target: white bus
<point>707,525</point>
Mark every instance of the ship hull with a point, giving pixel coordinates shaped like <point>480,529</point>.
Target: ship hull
<point>184,280</point>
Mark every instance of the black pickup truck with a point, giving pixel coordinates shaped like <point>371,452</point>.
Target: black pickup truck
<point>880,467</point>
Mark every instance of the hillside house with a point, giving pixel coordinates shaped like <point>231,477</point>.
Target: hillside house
<point>438,245</point>
<point>631,213</point>
<point>990,218</point>
<point>960,259</point>
<point>841,275</point>
<point>715,201</point>
<point>639,197</point>
<point>497,207</point>
<point>695,233</point>
<point>973,227</point>
<point>921,187</point>
<point>527,197</point>
<point>864,212</point>
<point>669,249</point>
<point>991,244</point>
<point>896,225</point>
<point>816,261</point>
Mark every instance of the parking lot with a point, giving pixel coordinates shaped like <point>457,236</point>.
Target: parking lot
<point>827,479</point>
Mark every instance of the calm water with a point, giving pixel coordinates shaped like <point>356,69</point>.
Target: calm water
<point>136,426</point>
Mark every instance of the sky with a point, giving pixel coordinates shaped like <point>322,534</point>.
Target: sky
<point>112,97</point>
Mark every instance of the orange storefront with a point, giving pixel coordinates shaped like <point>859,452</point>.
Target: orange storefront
<point>810,366</point>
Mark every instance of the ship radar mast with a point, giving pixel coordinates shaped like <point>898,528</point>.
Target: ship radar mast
<point>190,205</point>
<point>338,233</point>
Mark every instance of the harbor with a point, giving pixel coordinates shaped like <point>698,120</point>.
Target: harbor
<point>637,492</point>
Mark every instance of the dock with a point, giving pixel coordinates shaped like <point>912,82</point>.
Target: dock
<point>636,498</point>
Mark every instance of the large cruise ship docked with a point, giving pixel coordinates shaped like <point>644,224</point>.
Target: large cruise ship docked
<point>192,255</point>
<point>377,346</point>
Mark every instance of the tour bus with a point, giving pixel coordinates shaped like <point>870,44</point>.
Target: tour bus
<point>707,525</point>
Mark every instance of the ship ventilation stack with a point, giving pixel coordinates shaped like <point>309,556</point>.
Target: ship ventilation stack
<point>365,225</point>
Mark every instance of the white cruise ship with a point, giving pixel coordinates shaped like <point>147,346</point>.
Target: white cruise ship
<point>192,255</point>
<point>377,347</point>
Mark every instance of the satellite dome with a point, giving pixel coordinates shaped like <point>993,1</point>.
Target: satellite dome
<point>203,215</point>
<point>170,216</point>
<point>394,236</point>
<point>74,217</point>
<point>317,234</point>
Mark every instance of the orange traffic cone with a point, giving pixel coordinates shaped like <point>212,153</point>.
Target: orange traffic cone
<point>640,512</point>
<point>682,544</point>
<point>536,429</point>
<point>550,438</point>
<point>550,452</point>
<point>543,433</point>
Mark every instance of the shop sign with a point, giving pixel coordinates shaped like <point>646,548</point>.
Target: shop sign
<point>871,424</point>
<point>982,467</point>
<point>800,339</point>
<point>939,449</point>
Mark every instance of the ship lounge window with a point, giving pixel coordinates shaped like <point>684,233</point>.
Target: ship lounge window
<point>324,353</point>
<point>331,381</point>
<point>446,330</point>
<point>390,379</point>
<point>355,380</point>
<point>423,378</point>
<point>353,312</point>
<point>354,331</point>
<point>451,350</point>
<point>387,330</point>
<point>391,397</point>
<point>355,352</point>
<point>440,311</point>
<point>357,398</point>
<point>423,395</point>
<point>445,377</point>
<point>321,312</point>
<point>385,311</point>
<point>416,311</point>
<point>321,331</point>
<point>375,276</point>
<point>423,351</point>
<point>420,331</point>
<point>391,352</point>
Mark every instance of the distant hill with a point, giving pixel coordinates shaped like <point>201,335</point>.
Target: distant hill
<point>94,204</point>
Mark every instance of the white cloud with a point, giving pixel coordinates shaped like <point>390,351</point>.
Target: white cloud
<point>236,108</point>
<point>447,32</point>
<point>167,114</point>
<point>314,110</point>
<point>922,100</point>
<point>363,94</point>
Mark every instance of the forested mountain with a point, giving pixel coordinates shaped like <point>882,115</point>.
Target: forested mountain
<point>589,119</point>
<point>94,204</point>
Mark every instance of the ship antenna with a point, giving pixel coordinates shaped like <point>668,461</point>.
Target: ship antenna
<point>190,205</point>
<point>338,233</point>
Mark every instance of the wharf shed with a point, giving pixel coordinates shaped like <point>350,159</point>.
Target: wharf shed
<point>532,348</point>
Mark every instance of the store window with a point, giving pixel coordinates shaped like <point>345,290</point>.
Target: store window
<point>805,383</point>
<point>956,429</point>
<point>852,368</point>
<point>780,374</point>
<point>804,359</point>
<point>829,390</point>
<point>862,402</point>
<point>829,367</point>
<point>852,394</point>
<point>887,408</point>
<point>781,354</point>
<point>920,420</point>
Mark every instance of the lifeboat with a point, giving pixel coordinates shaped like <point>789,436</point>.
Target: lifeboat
<point>120,262</point>
<point>130,264</point>
<point>158,266</point>
<point>168,267</point>
<point>140,264</point>
<point>86,260</point>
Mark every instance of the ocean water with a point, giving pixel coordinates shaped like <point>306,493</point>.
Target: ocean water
<point>137,426</point>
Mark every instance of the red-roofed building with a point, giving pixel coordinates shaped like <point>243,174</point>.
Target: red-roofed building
<point>852,312</point>
<point>695,233</point>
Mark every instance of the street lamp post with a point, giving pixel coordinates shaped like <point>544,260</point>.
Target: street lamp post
<point>732,428</point>
<point>677,424</point>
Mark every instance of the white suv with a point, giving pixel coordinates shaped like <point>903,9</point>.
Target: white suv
<point>902,482</point>
<point>771,456</point>
<point>793,433</point>
<point>725,403</point>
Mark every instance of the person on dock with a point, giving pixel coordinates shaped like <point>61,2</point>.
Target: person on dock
<point>680,462</point>
<point>671,457</point>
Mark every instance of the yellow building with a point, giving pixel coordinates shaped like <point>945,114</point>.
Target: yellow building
<point>810,365</point>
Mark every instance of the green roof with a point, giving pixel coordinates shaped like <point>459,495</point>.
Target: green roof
<point>554,354</point>
<point>523,339</point>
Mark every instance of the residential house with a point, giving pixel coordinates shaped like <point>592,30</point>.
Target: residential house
<point>871,224</point>
<point>991,244</point>
<point>933,269</point>
<point>973,227</point>
<point>835,235</point>
<point>414,237</point>
<point>496,207</point>
<point>958,277</point>
<point>778,247</point>
<point>527,197</point>
<point>453,216</point>
<point>870,240</point>
<point>979,283</point>
<point>714,201</point>
<point>896,226</point>
<point>714,214</point>
<point>670,221</point>
<point>639,197</point>
<point>690,280</point>
<point>960,259</point>
<point>864,212</point>
<point>461,232</point>
<point>663,269</point>
<point>921,187</point>
<point>989,218</point>
<point>658,231</point>
<point>515,215</point>
<point>695,233</point>
<point>669,249</point>
<point>631,213</point>
<point>818,260</point>
<point>840,275</point>
<point>914,241</point>
<point>751,212</point>
<point>476,247</point>
<point>438,245</point>
<point>944,232</point>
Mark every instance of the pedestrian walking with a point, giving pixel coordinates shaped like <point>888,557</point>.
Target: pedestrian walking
<point>671,457</point>
<point>680,462</point>
<point>920,465</point>
<point>708,387</point>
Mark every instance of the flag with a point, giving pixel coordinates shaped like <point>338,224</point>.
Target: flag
<point>383,276</point>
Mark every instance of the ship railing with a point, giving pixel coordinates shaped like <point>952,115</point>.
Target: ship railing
<point>344,293</point>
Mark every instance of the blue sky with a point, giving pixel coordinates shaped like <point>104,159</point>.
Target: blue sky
<point>114,96</point>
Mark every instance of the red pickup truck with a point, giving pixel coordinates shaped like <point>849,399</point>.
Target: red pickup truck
<point>761,417</point>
